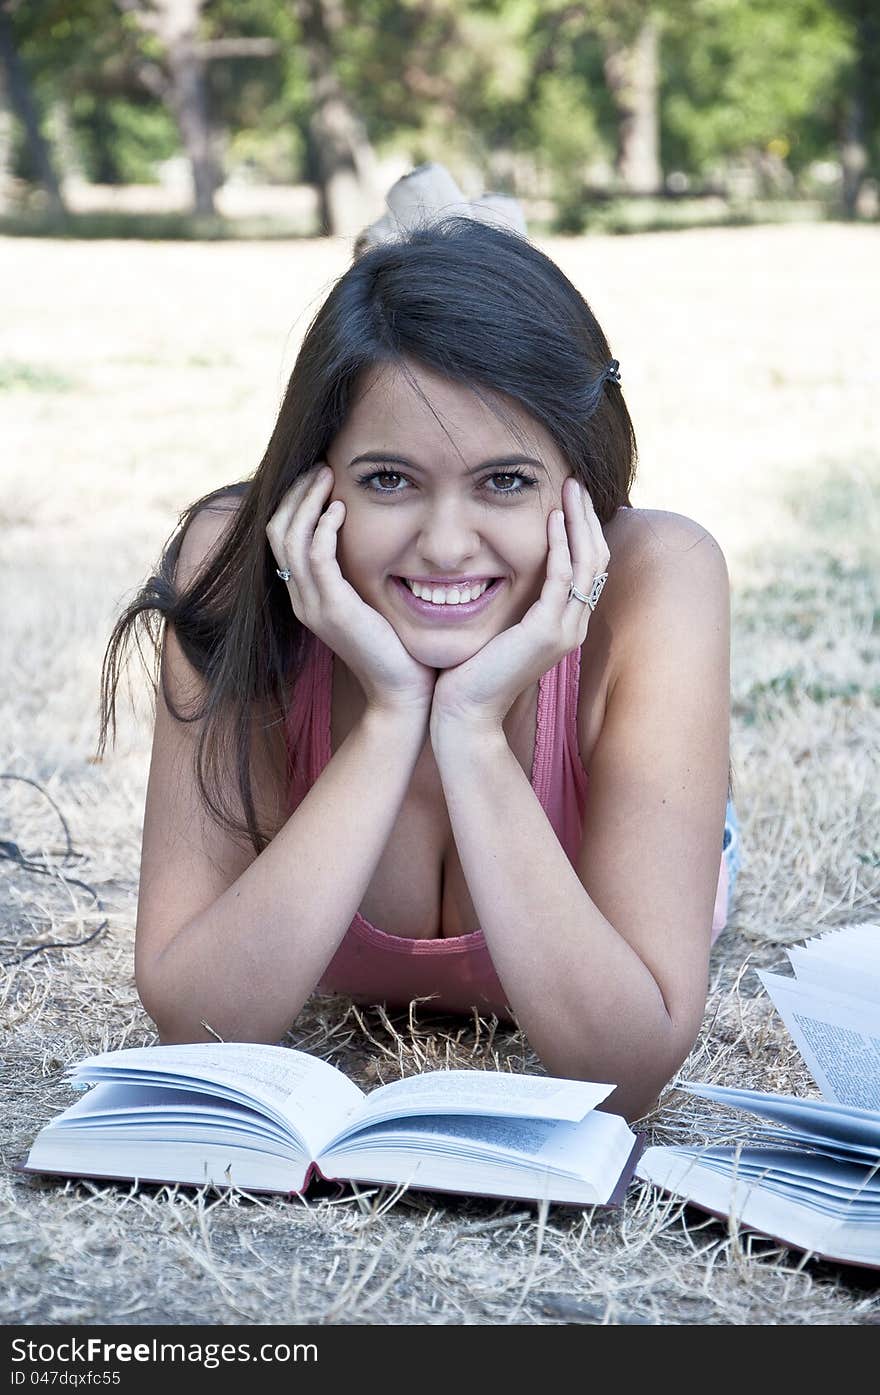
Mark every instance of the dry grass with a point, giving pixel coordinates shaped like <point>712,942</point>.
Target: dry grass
<point>135,376</point>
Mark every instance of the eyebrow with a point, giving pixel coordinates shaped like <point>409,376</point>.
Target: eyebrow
<point>498,462</point>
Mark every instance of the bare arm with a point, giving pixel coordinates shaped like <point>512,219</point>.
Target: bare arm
<point>239,941</point>
<point>605,963</point>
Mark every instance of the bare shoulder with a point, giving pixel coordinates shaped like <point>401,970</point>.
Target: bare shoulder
<point>204,532</point>
<point>639,536</point>
<point>666,573</point>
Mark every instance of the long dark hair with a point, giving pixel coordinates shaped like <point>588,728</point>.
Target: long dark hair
<point>476,304</point>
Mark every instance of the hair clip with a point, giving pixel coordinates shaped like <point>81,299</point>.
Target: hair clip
<point>612,371</point>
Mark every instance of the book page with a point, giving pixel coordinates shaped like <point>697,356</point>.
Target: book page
<point>825,970</point>
<point>823,1119</point>
<point>113,1106</point>
<point>794,1220</point>
<point>526,1137</point>
<point>830,1148</point>
<point>475,1153</point>
<point>857,944</point>
<point>825,973</point>
<point>498,1094</point>
<point>844,1188</point>
<point>845,959</point>
<point>310,1095</point>
<point>837,1035</point>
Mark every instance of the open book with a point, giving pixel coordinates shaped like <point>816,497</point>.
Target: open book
<point>810,1176</point>
<point>269,1119</point>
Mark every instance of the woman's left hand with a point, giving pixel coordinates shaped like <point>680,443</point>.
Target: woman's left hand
<point>481,691</point>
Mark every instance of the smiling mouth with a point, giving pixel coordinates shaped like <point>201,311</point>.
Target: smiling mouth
<point>454,605</point>
<point>449,594</point>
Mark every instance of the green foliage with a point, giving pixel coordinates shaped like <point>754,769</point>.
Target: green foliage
<point>33,377</point>
<point>563,128</point>
<point>745,73</point>
<point>120,141</point>
<point>260,102</point>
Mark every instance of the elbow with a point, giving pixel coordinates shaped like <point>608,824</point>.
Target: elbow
<point>157,1007</point>
<point>185,1013</point>
<point>640,1069</point>
<point>639,1090</point>
<point>163,1005</point>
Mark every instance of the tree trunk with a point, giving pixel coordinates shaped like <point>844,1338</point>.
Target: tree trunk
<point>178,26</point>
<point>65,150</point>
<point>343,159</point>
<point>22,102</point>
<point>853,153</point>
<point>7,144</point>
<point>632,74</point>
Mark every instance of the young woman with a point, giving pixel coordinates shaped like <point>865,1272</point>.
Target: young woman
<point>441,715</point>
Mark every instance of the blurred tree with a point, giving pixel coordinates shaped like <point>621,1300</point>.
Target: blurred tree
<point>84,58</point>
<point>544,98</point>
<point>859,101</point>
<point>604,56</point>
<point>18,85</point>
<point>174,68</point>
<point>180,82</point>
<point>343,158</point>
<point>744,76</point>
<point>633,77</point>
<point>591,94</point>
<point>7,140</point>
<point>258,95</point>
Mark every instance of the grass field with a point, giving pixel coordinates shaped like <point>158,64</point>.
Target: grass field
<point>133,377</point>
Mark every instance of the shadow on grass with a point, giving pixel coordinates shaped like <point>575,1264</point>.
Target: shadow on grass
<point>153,227</point>
<point>600,216</point>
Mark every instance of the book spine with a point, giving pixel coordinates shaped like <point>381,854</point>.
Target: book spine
<point>314,1174</point>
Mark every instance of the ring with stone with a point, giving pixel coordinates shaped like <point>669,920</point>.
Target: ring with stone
<point>598,582</point>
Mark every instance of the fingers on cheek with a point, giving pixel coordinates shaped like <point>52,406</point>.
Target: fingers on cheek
<point>564,545</point>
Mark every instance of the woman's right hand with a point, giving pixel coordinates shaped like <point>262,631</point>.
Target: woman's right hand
<point>302,535</point>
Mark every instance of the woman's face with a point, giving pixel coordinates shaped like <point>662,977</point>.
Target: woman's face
<point>470,505</point>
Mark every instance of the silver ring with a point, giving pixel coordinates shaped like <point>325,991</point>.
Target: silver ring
<point>595,592</point>
<point>284,573</point>
<point>598,583</point>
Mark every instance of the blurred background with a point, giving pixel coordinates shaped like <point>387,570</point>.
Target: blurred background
<point>292,117</point>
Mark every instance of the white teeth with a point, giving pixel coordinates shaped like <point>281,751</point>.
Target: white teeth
<point>452,595</point>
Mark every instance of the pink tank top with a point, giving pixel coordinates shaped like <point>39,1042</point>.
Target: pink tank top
<point>453,974</point>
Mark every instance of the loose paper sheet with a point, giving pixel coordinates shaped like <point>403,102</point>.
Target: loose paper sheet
<point>837,1035</point>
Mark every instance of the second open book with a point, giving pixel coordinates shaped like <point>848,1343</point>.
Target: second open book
<point>809,1175</point>
<point>268,1118</point>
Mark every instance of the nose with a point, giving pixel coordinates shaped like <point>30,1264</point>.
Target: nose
<point>448,538</point>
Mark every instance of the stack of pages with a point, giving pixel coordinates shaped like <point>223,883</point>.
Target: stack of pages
<point>810,1175</point>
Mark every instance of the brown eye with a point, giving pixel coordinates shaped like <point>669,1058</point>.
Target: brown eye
<point>365,481</point>
<point>524,483</point>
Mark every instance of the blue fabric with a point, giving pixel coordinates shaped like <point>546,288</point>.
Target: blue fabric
<point>731,850</point>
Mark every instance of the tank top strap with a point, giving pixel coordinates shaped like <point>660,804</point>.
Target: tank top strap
<point>306,721</point>
<point>560,779</point>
